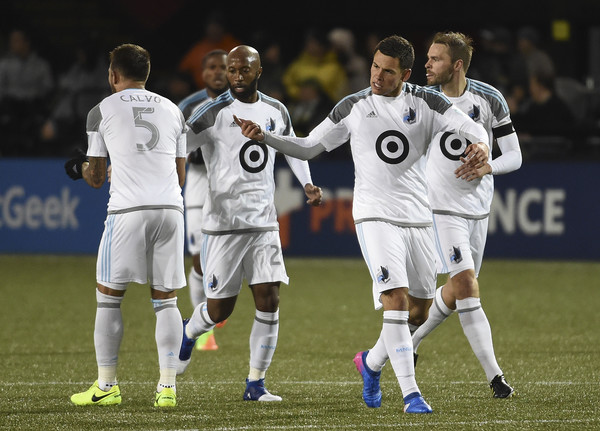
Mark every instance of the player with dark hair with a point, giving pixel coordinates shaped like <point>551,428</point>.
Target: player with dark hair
<point>143,134</point>
<point>390,126</point>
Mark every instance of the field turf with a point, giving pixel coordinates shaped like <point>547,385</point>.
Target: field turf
<point>544,318</point>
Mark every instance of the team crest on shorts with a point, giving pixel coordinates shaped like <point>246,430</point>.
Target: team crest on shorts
<point>383,275</point>
<point>455,255</point>
<point>213,283</point>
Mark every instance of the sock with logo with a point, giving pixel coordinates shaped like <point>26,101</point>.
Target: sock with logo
<point>398,344</point>
<point>477,330</point>
<point>108,333</point>
<point>168,331</point>
<point>438,312</point>
<point>263,339</point>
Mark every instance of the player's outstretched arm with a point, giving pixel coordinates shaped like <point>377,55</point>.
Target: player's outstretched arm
<point>300,148</point>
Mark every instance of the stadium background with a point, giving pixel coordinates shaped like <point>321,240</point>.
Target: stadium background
<point>541,211</point>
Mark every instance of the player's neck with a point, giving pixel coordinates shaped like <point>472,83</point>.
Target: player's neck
<point>456,87</point>
<point>129,85</point>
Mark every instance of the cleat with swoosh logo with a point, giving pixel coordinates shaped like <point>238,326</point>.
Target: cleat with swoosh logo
<point>94,396</point>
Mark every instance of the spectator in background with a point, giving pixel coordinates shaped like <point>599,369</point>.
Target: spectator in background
<point>216,36</point>
<point>311,106</point>
<point>529,59</point>
<point>79,90</point>
<point>271,81</point>
<point>357,67</point>
<point>26,84</point>
<point>543,112</point>
<point>491,64</point>
<point>317,61</point>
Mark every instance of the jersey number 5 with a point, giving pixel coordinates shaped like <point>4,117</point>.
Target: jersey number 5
<point>140,122</point>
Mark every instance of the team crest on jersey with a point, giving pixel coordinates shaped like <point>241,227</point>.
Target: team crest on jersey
<point>475,112</point>
<point>455,255</point>
<point>383,275</point>
<point>410,116</point>
<point>270,125</point>
<point>213,283</point>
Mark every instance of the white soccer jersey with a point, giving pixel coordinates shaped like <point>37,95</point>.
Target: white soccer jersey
<point>125,127</point>
<point>451,195</point>
<point>241,183</point>
<point>389,141</point>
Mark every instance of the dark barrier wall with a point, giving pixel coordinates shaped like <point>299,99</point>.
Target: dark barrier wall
<point>544,210</point>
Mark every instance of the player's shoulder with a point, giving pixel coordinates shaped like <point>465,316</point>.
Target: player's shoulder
<point>482,88</point>
<point>343,108</point>
<point>205,115</point>
<point>190,102</point>
<point>431,96</point>
<point>490,94</point>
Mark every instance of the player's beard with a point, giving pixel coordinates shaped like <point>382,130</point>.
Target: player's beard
<point>441,78</point>
<point>248,91</point>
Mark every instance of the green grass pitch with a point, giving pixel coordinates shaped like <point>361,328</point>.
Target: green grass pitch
<point>544,318</point>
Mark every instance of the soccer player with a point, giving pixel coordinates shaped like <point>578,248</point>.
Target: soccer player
<point>240,229</point>
<point>143,133</point>
<point>196,187</point>
<point>461,208</point>
<point>390,126</point>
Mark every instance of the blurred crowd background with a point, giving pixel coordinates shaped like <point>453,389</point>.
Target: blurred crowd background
<point>543,56</point>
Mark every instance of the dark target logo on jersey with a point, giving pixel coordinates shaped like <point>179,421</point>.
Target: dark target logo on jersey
<point>453,146</point>
<point>254,156</point>
<point>392,147</point>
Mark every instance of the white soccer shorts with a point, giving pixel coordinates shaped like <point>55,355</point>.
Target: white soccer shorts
<point>140,247</point>
<point>398,257</point>
<point>228,259</point>
<point>459,243</point>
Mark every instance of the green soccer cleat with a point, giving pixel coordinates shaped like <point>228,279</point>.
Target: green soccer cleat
<point>94,396</point>
<point>165,398</point>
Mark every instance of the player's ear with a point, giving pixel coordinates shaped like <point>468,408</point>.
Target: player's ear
<point>406,75</point>
<point>259,72</point>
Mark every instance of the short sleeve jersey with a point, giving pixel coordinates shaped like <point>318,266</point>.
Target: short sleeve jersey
<point>389,138</point>
<point>142,133</point>
<point>451,195</point>
<point>241,183</point>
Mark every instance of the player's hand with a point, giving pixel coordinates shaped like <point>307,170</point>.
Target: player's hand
<point>474,162</point>
<point>470,173</point>
<point>250,129</point>
<point>314,195</point>
<point>73,167</point>
<point>476,155</point>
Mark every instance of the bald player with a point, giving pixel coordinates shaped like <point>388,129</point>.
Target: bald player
<point>240,229</point>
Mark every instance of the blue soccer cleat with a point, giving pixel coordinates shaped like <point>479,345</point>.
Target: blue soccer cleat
<point>415,403</point>
<point>185,352</point>
<point>256,391</point>
<point>371,389</point>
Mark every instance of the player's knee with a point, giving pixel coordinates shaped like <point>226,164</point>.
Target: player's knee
<point>465,285</point>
